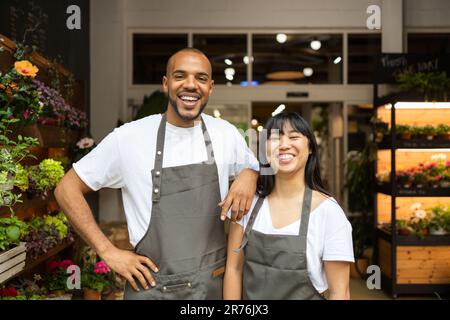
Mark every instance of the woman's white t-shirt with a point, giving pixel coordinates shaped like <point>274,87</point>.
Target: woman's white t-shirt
<point>329,236</point>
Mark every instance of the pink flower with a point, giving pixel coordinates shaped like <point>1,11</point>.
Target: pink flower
<point>101,268</point>
<point>65,263</point>
<point>25,115</point>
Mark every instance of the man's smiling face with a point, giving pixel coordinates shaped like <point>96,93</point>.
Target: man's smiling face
<point>188,84</point>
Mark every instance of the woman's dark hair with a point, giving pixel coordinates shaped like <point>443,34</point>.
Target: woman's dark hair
<point>312,168</point>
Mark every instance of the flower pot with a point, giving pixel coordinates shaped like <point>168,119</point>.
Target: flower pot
<point>406,136</point>
<point>407,185</point>
<point>404,231</point>
<point>89,294</point>
<point>438,231</point>
<point>55,153</point>
<point>443,136</point>
<point>109,294</point>
<point>445,184</point>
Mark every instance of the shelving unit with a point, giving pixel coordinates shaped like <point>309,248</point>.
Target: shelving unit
<point>409,265</point>
<point>53,139</point>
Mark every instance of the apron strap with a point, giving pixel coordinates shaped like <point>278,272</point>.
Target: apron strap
<point>157,171</point>
<point>250,223</point>
<point>208,144</point>
<point>157,168</point>
<point>304,222</point>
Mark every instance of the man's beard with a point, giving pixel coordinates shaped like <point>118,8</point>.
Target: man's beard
<point>174,105</point>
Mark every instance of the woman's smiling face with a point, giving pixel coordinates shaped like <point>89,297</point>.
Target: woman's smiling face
<point>287,150</point>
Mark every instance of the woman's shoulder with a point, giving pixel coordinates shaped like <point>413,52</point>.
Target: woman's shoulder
<point>327,204</point>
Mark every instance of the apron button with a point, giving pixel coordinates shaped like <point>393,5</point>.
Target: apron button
<point>158,173</point>
<point>158,152</point>
<point>156,190</point>
<point>189,285</point>
<point>164,288</point>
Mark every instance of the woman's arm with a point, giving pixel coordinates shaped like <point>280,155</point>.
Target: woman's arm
<point>338,278</point>
<point>232,286</point>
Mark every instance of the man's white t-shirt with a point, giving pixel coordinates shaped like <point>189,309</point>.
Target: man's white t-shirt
<point>125,157</point>
<point>329,236</point>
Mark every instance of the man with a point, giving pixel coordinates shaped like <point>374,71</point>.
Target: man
<point>173,170</point>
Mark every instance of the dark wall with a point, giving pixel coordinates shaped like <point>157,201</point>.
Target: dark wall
<point>52,37</point>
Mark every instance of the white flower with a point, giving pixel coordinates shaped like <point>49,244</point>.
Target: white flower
<point>421,214</point>
<point>439,157</point>
<point>416,206</point>
<point>85,143</point>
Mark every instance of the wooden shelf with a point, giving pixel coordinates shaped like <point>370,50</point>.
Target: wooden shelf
<point>415,144</point>
<point>31,264</point>
<point>430,240</point>
<point>413,192</point>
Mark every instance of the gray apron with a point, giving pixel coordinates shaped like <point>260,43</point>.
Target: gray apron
<point>185,238</point>
<point>275,266</point>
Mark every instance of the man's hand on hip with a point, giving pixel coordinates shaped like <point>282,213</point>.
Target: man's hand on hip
<point>129,264</point>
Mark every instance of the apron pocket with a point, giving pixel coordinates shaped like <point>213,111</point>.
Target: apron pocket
<point>180,286</point>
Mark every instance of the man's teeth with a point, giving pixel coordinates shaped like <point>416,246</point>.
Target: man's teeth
<point>286,156</point>
<point>189,98</point>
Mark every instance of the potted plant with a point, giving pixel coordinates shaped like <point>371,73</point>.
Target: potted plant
<point>428,132</point>
<point>440,220</point>
<point>445,180</point>
<point>82,148</point>
<point>403,132</point>
<point>419,179</point>
<point>95,278</point>
<point>443,132</point>
<point>55,280</point>
<point>402,227</point>
<point>404,179</point>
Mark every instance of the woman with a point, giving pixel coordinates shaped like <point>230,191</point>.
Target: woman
<point>297,241</point>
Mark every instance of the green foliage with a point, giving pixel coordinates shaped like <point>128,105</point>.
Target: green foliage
<point>11,153</point>
<point>18,97</point>
<point>49,174</point>
<point>60,223</point>
<point>153,104</point>
<point>440,217</point>
<point>21,178</point>
<point>360,181</point>
<point>433,85</point>
<point>11,231</point>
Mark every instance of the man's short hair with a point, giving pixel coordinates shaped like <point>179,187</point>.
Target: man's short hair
<point>187,49</point>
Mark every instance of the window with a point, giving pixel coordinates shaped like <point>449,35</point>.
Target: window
<point>280,59</point>
<point>226,53</point>
<point>150,55</point>
<point>362,54</point>
<point>429,43</point>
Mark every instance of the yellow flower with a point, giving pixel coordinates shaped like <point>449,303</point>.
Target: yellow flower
<point>25,68</point>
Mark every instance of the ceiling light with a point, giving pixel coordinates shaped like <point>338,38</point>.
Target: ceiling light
<point>230,71</point>
<point>278,110</point>
<point>337,60</point>
<point>228,62</point>
<point>254,122</point>
<point>260,128</point>
<point>246,60</point>
<point>281,37</point>
<point>229,77</point>
<point>308,72</point>
<point>316,45</point>
<point>420,105</point>
<point>216,113</point>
